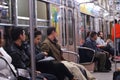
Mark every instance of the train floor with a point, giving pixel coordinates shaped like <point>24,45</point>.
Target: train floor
<point>106,75</point>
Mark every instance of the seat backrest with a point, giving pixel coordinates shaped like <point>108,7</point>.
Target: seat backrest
<point>86,54</point>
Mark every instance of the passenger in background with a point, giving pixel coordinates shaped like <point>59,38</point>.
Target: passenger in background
<point>20,60</point>
<point>117,34</point>
<point>104,45</point>
<point>100,55</point>
<point>53,49</point>
<point>56,68</point>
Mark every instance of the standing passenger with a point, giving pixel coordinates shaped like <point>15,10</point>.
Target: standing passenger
<point>117,34</point>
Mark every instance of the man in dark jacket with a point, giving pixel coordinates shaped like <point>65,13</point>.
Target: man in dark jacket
<point>20,60</point>
<point>100,55</point>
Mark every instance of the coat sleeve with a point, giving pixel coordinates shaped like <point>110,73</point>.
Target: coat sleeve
<point>45,48</point>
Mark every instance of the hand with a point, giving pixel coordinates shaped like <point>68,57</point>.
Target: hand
<point>38,72</point>
<point>108,40</point>
<point>44,78</point>
<point>45,53</point>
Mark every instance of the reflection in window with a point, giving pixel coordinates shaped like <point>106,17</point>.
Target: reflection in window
<point>41,10</point>
<point>4,11</point>
<point>64,33</point>
<point>70,27</point>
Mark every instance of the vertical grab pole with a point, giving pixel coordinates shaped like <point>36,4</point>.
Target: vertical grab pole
<point>115,42</point>
<point>32,23</point>
<point>115,46</point>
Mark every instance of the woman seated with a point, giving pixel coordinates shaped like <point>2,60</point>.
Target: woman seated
<point>56,68</point>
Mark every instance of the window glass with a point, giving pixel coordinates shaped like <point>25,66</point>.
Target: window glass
<point>63,2</point>
<point>69,3</point>
<point>23,10</point>
<point>83,26</point>
<point>70,27</point>
<point>63,22</point>
<point>41,10</point>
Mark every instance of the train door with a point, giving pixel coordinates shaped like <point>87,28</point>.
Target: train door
<point>63,39</point>
<point>67,26</point>
<point>70,29</point>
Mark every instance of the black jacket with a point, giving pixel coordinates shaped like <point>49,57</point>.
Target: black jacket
<point>38,54</point>
<point>20,59</point>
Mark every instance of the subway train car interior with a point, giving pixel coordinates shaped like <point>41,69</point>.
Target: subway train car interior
<point>60,39</point>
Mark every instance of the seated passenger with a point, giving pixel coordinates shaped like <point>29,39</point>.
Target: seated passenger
<point>104,45</point>
<point>56,68</point>
<point>53,49</point>
<point>5,71</point>
<point>20,60</point>
<point>100,55</point>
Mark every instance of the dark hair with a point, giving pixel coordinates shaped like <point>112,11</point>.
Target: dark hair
<point>36,33</point>
<point>16,32</point>
<point>50,29</point>
<point>93,33</point>
<point>99,33</point>
<point>115,21</point>
<point>88,34</point>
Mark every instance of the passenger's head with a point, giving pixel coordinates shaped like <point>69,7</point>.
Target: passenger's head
<point>93,35</point>
<point>37,37</point>
<point>51,32</point>
<point>18,33</point>
<point>100,34</point>
<point>115,21</point>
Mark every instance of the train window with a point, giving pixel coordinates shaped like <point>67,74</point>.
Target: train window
<point>88,26</point>
<point>41,10</point>
<point>83,26</point>
<point>69,3</point>
<point>23,10</point>
<point>70,27</point>
<point>64,32</point>
<point>63,2</point>
<point>5,11</point>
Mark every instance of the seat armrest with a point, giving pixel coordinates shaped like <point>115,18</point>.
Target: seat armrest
<point>86,54</point>
<point>86,48</point>
<point>73,55</point>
